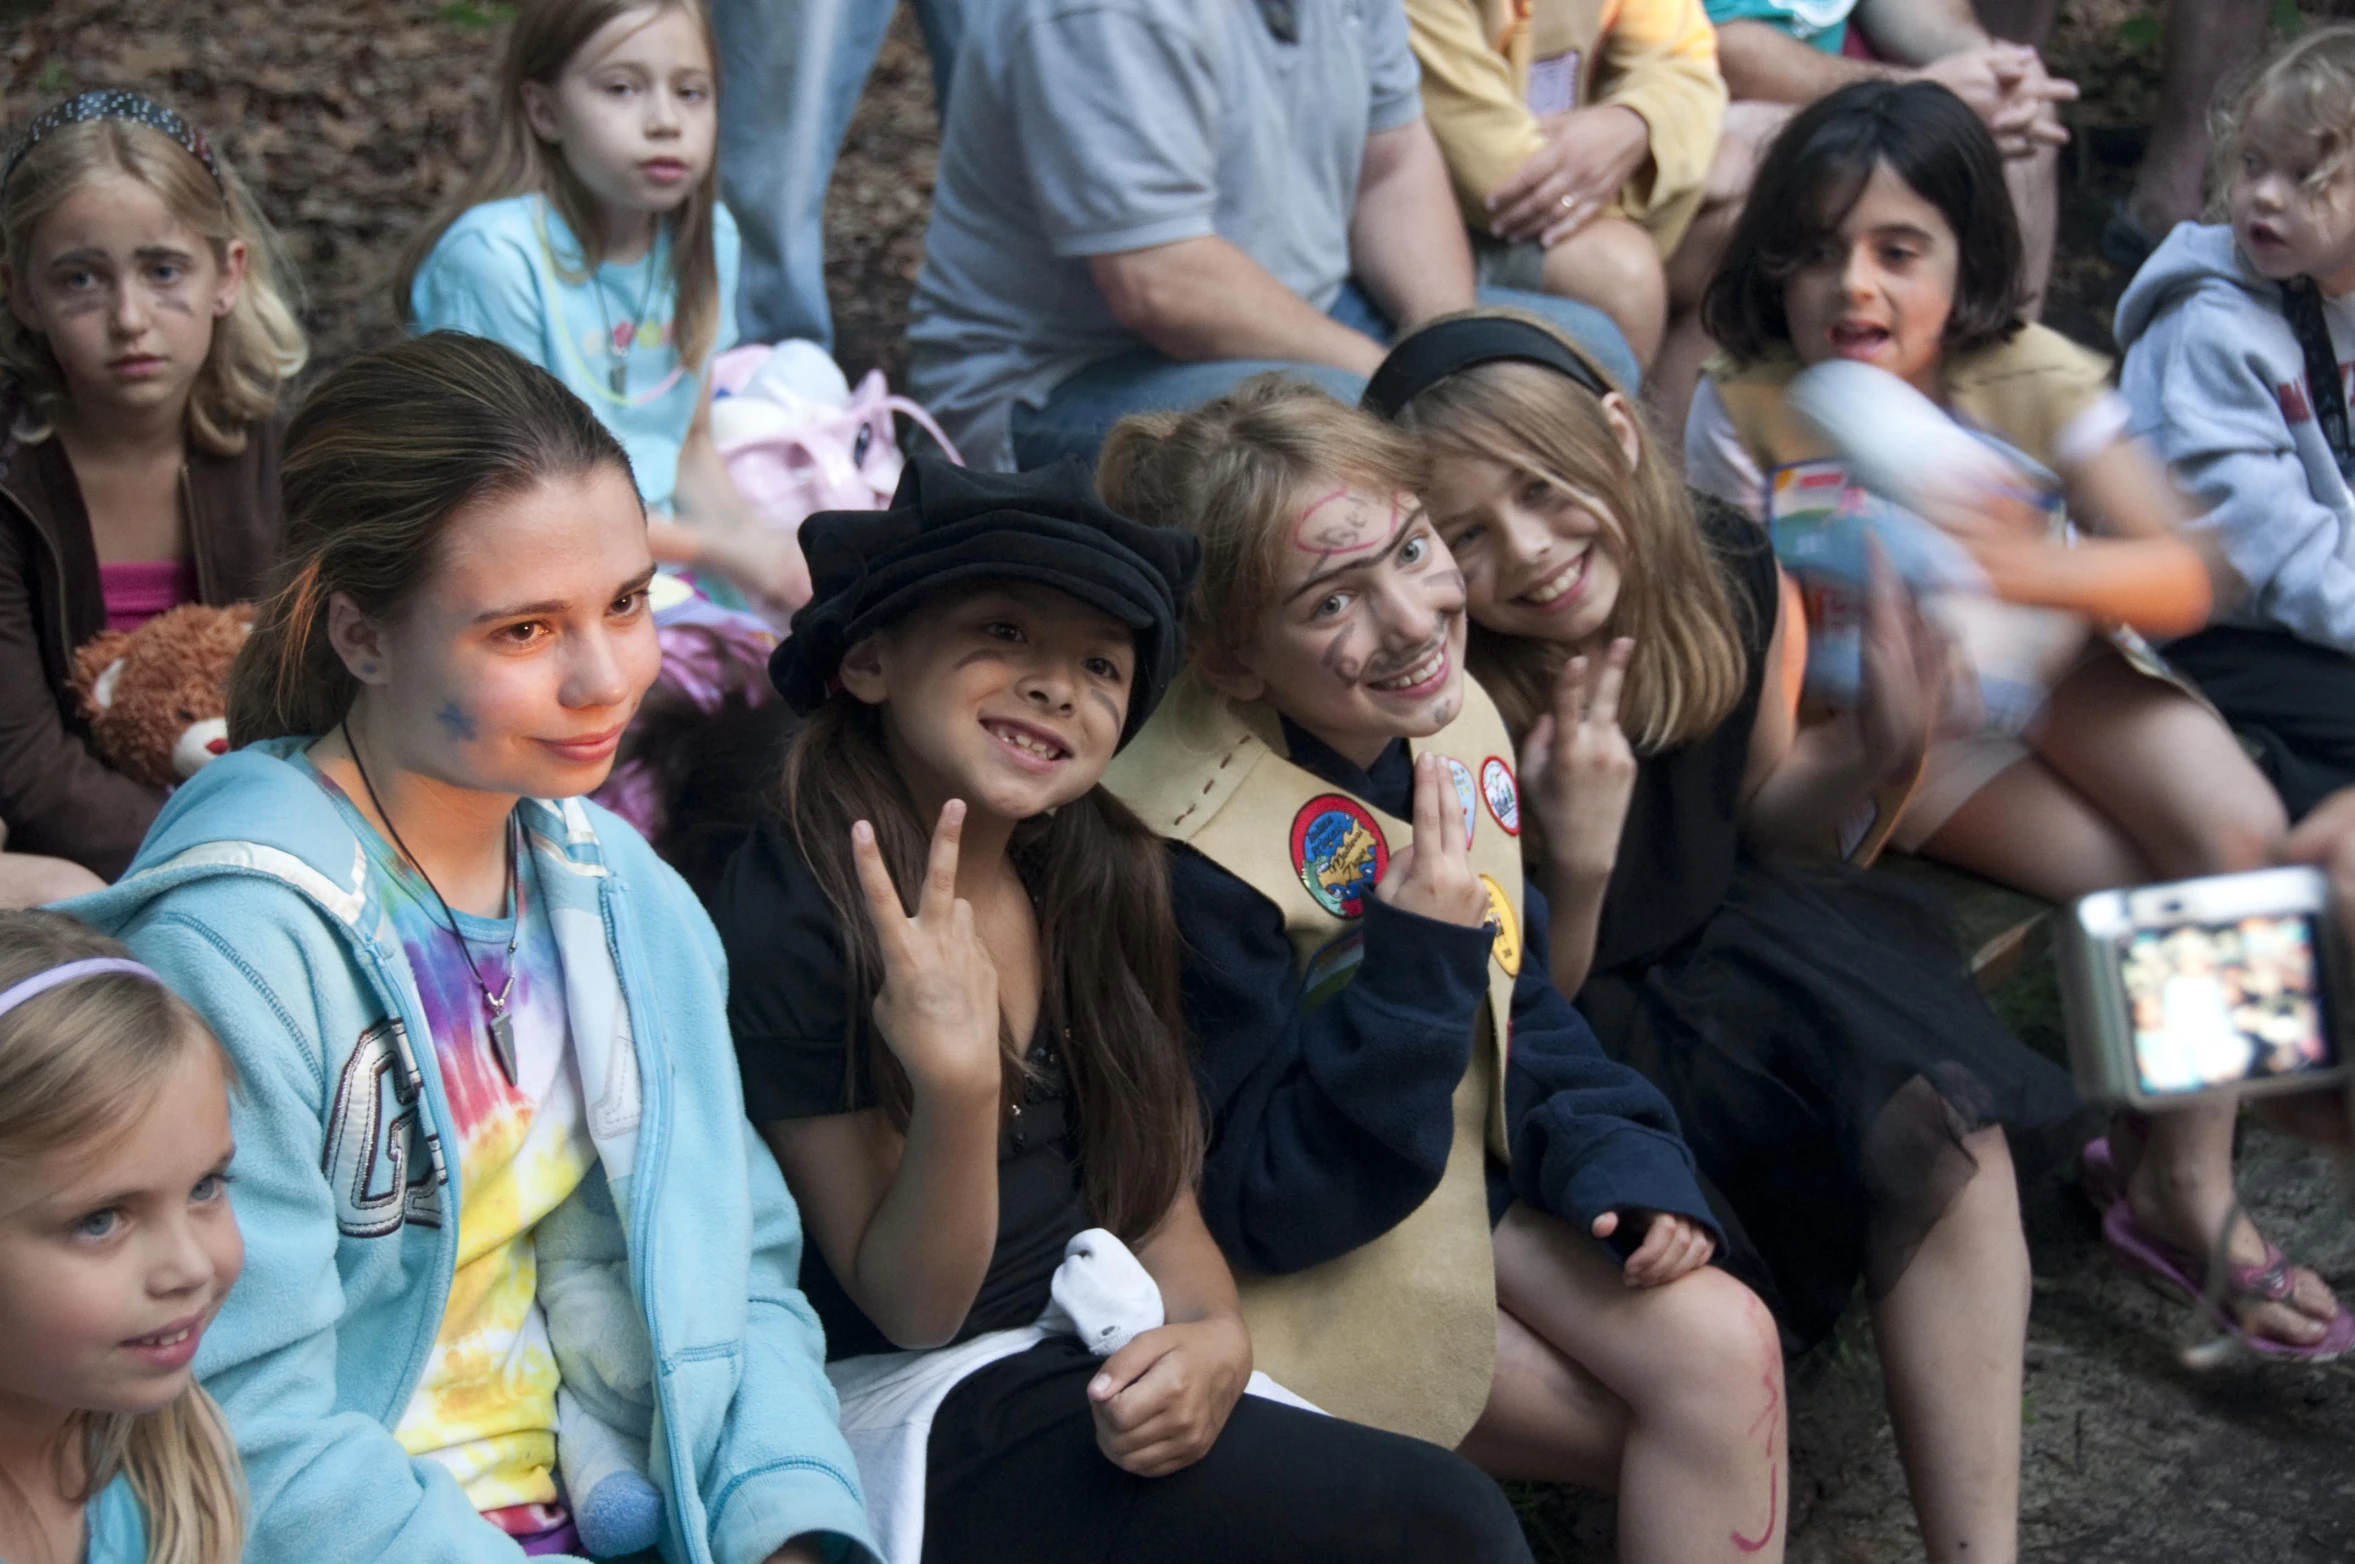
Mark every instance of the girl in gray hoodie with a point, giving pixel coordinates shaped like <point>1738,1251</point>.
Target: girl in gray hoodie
<point>2238,337</point>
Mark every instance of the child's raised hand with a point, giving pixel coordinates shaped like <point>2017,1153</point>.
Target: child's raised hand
<point>1432,875</point>
<point>1673,1246</point>
<point>938,1006</point>
<point>1160,1401</point>
<point>1579,769</point>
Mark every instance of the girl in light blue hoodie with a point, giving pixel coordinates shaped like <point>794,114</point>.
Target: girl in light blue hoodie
<point>2238,338</point>
<point>462,1002</point>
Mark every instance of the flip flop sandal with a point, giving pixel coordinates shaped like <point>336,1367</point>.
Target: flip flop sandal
<point>2097,1175</point>
<point>2270,1282</point>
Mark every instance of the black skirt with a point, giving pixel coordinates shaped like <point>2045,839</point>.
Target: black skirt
<point>1826,1050</point>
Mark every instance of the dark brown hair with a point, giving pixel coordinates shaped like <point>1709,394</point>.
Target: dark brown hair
<point>383,453</point>
<point>548,33</point>
<point>1109,942</point>
<point>1813,174</point>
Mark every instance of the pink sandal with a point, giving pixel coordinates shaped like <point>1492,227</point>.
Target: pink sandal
<point>2270,1282</point>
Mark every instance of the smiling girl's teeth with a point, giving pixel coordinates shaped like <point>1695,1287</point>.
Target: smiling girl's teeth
<point>1558,583</point>
<point>1028,745</point>
<point>1420,673</point>
<point>173,1340</point>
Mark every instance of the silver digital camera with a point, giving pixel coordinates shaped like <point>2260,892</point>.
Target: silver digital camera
<point>2235,982</point>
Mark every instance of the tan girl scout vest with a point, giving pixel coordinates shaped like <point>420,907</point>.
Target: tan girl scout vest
<point>1399,1333</point>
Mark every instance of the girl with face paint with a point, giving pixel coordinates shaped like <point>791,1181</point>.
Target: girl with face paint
<point>1505,1252</point>
<point>955,1003</point>
<point>480,1027</point>
<point>145,340</point>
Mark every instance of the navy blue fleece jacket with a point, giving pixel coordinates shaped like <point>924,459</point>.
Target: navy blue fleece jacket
<point>1328,1127</point>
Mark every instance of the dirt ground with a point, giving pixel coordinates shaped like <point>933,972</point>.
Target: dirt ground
<point>353,117</point>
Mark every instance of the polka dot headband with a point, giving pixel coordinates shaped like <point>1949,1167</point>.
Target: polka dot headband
<point>113,103</point>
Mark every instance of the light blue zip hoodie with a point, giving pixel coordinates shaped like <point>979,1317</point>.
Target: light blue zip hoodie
<point>2217,384</point>
<point>252,898</point>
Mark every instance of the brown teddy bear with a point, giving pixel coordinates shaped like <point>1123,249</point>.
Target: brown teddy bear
<point>157,698</point>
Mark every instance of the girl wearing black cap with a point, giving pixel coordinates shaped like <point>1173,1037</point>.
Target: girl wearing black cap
<point>1843,1085</point>
<point>983,1108</point>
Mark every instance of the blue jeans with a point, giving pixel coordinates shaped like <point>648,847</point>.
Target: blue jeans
<point>791,72</point>
<point>1081,410</point>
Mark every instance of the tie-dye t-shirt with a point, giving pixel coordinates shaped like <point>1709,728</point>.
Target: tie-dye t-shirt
<point>486,1406</point>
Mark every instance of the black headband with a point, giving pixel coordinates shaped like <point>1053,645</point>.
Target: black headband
<point>113,103</point>
<point>1430,355</point>
<point>949,526</point>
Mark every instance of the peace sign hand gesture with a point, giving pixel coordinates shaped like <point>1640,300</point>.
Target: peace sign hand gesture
<point>938,1006</point>
<point>1579,768</point>
<point>1432,875</point>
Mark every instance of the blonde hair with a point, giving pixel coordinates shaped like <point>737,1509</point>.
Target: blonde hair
<point>1691,665</point>
<point>2310,80</point>
<point>384,452</point>
<point>77,1064</point>
<point>1231,472</point>
<point>548,33</point>
<point>256,348</point>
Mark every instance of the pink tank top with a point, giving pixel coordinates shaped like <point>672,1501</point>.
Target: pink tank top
<point>138,590</point>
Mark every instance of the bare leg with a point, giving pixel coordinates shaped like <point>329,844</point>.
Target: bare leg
<point>29,880</point>
<point>1952,1334</point>
<point>2029,828</point>
<point>1613,265</point>
<point>1695,1373</point>
<point>2036,196</point>
<point>1668,385</point>
<point>2206,41</point>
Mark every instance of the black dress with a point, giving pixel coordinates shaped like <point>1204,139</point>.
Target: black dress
<point>1013,1473</point>
<point>1787,1008</point>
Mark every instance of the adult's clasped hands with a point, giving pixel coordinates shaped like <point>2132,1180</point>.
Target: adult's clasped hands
<point>2008,87</point>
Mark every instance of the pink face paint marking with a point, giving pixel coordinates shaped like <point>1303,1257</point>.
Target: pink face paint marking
<point>1765,1419</point>
<point>1336,535</point>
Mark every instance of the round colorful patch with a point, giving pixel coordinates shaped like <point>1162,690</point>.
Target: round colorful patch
<point>1467,794</point>
<point>1503,795</point>
<point>1505,925</point>
<point>1339,852</point>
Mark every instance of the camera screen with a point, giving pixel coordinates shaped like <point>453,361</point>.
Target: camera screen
<point>2213,1004</point>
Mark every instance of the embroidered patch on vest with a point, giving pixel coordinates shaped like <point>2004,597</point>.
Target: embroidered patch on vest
<point>1339,852</point>
<point>1467,794</point>
<point>1506,927</point>
<point>1504,797</point>
<point>1331,968</point>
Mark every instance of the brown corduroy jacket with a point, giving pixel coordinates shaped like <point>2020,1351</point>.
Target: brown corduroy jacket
<point>56,795</point>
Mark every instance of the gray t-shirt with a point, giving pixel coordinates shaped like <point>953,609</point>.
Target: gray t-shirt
<point>1089,127</point>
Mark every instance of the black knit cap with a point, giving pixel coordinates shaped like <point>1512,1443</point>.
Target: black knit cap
<point>949,525</point>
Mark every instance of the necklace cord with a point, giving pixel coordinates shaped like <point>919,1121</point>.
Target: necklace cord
<point>495,1003</point>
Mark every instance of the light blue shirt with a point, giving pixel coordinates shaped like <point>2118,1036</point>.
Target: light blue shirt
<point>500,272</point>
<point>1080,128</point>
<point>117,1526</point>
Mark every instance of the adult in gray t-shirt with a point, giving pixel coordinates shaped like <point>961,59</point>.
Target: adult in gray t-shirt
<point>1142,201</point>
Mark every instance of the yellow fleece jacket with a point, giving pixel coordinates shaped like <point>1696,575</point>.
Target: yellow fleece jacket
<point>1496,71</point>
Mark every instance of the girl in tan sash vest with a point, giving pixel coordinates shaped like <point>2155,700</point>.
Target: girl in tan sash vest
<point>1844,1086</point>
<point>1364,983</point>
<point>967,1058</point>
<point>1879,230</point>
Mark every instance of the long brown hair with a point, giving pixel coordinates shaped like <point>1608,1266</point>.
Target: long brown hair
<point>382,454</point>
<point>548,33</point>
<point>1691,664</point>
<point>1230,472</point>
<point>1109,942</point>
<point>78,1064</point>
<point>256,348</point>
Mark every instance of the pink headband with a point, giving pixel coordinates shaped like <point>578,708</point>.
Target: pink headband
<point>89,966</point>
